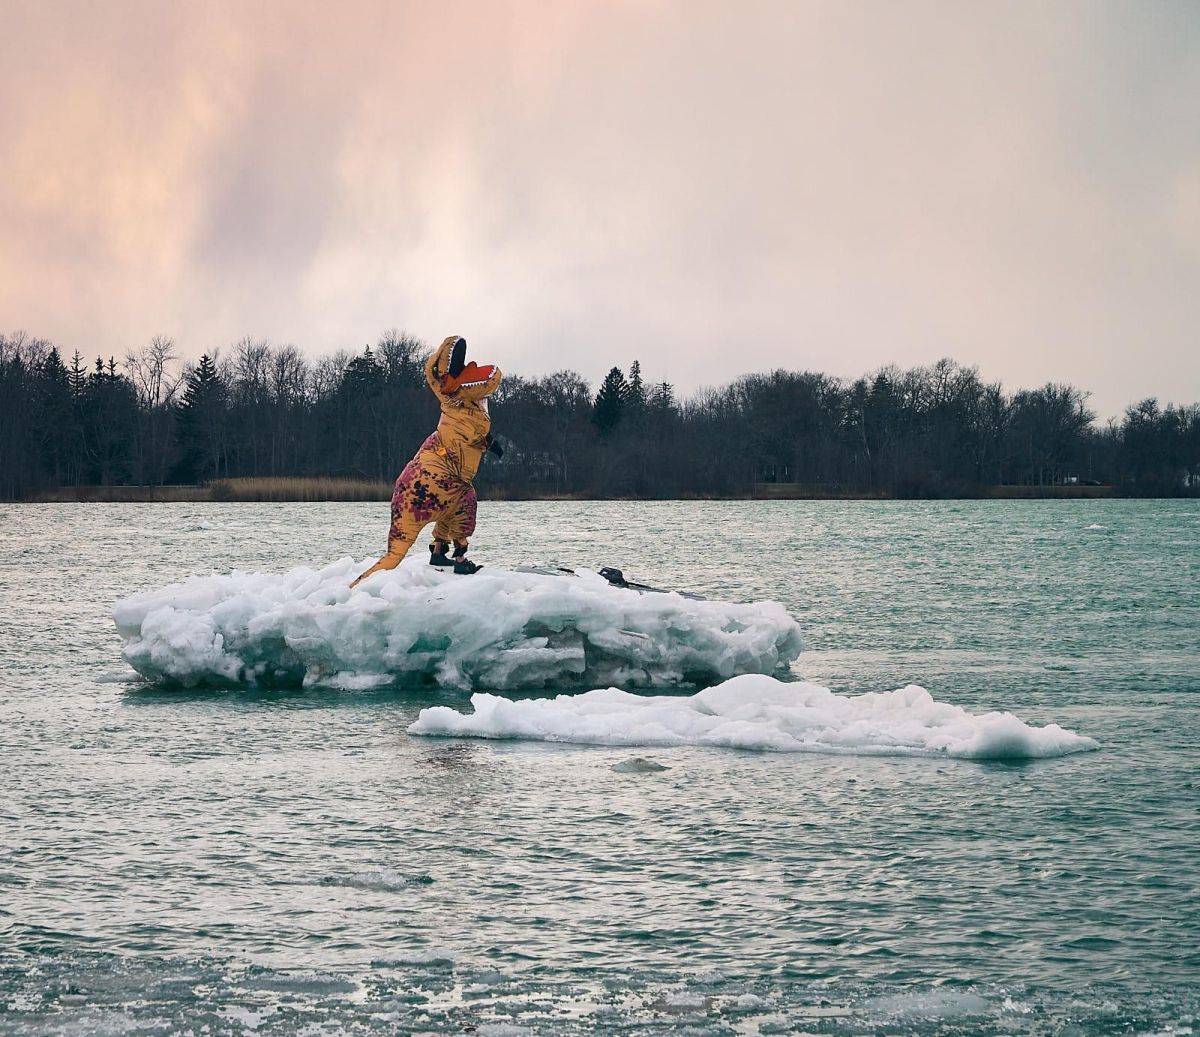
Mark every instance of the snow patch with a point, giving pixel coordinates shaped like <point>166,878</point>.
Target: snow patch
<point>496,629</point>
<point>760,712</point>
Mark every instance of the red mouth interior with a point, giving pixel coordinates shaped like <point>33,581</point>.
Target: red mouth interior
<point>472,374</point>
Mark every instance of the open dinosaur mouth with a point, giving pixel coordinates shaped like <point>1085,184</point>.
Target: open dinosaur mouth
<point>470,376</point>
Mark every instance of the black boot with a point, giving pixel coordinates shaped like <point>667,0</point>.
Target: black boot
<point>438,556</point>
<point>465,567</point>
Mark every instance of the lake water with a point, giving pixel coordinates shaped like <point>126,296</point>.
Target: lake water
<point>236,861</point>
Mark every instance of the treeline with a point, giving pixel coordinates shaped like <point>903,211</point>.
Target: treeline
<point>263,410</point>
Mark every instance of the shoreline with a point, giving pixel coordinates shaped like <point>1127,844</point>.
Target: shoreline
<point>341,491</point>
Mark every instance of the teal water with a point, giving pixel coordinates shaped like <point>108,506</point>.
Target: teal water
<point>229,862</point>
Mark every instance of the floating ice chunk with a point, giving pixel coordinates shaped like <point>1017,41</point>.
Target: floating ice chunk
<point>426,955</point>
<point>927,1004</point>
<point>496,629</point>
<point>379,879</point>
<point>638,765</point>
<point>760,712</point>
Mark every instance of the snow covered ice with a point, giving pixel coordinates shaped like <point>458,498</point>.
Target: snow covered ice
<point>497,629</point>
<point>760,712</point>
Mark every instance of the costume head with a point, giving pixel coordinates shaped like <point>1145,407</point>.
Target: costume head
<point>460,374</point>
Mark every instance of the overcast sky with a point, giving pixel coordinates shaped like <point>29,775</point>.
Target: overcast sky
<point>713,188</point>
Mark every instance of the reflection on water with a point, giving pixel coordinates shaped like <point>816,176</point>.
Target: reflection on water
<point>269,861</point>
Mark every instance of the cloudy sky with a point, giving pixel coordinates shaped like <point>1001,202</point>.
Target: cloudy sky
<point>710,187</point>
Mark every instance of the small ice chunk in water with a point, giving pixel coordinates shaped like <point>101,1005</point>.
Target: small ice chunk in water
<point>496,629</point>
<point>379,879</point>
<point>760,712</point>
<point>685,1000</point>
<point>428,955</point>
<point>638,765</point>
<point>927,1004</point>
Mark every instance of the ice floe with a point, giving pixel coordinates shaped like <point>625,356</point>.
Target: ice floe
<point>497,629</point>
<point>760,712</point>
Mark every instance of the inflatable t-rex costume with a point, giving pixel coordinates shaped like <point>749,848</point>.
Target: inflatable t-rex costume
<point>435,486</point>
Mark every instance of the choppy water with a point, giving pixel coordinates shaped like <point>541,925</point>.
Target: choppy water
<point>269,862</point>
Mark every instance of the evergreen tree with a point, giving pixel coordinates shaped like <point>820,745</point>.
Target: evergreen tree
<point>199,428</point>
<point>637,391</point>
<point>55,417</point>
<point>362,373</point>
<point>610,403</point>
<point>662,397</point>
<point>107,415</point>
<point>77,375</point>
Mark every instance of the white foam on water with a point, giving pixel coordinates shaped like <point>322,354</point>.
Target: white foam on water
<point>496,629</point>
<point>760,712</point>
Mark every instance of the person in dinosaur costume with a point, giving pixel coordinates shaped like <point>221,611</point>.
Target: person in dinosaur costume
<point>435,486</point>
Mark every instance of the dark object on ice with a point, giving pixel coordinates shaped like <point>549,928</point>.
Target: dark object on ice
<point>617,579</point>
<point>438,556</point>
<point>613,575</point>
<point>465,567</point>
<point>458,358</point>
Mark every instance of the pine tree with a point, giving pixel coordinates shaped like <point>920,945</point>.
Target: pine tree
<point>637,391</point>
<point>56,423</point>
<point>610,403</point>
<point>362,371</point>
<point>199,428</point>
<point>662,398</point>
<point>77,375</point>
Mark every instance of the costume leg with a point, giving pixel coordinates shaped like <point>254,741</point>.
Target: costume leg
<point>457,523</point>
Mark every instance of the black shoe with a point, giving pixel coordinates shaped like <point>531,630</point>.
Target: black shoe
<point>440,558</point>
<point>465,567</point>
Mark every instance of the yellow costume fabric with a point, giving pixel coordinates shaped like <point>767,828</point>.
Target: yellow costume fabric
<point>435,485</point>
